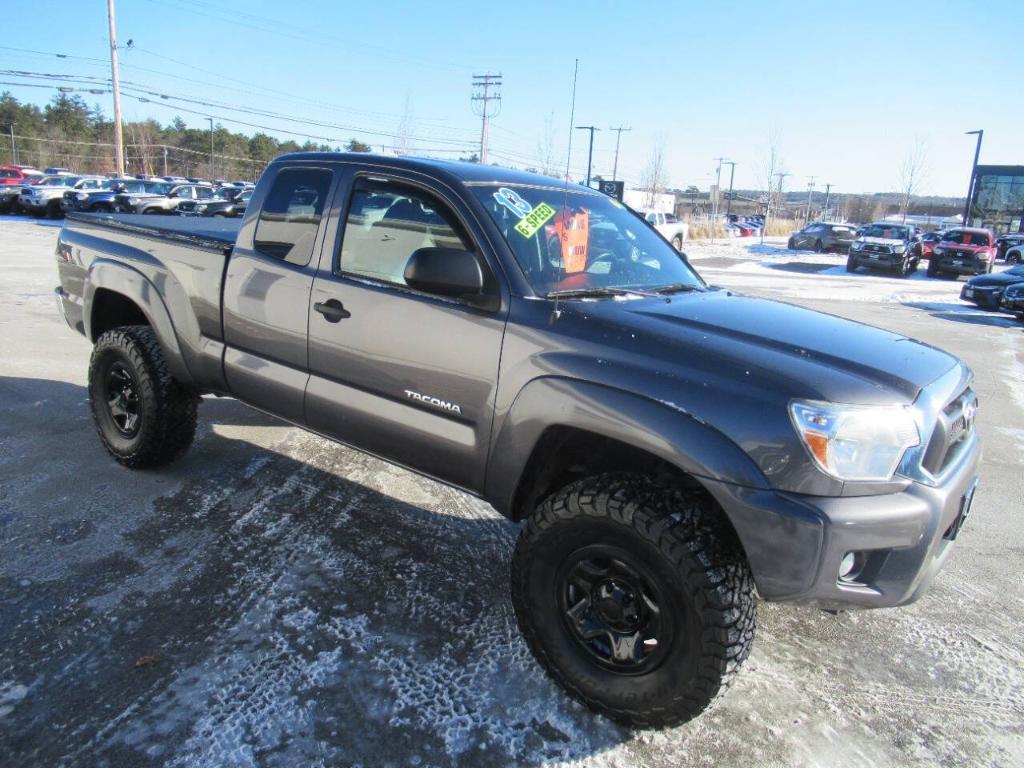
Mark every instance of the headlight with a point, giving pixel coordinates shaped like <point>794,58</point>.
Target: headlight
<point>134,201</point>
<point>1014,292</point>
<point>201,207</point>
<point>857,246</point>
<point>81,196</point>
<point>899,249</point>
<point>855,442</point>
<point>937,251</point>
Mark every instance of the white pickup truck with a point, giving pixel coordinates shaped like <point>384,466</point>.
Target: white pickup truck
<point>671,228</point>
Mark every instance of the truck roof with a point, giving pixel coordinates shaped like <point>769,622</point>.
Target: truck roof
<point>464,172</point>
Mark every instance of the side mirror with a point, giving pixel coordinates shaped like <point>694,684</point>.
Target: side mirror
<point>447,272</point>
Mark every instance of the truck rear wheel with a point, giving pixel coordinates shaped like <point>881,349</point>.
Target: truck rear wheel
<point>635,597</point>
<point>677,242</point>
<point>144,417</point>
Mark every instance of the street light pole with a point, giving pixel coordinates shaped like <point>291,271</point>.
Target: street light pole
<point>974,173</point>
<point>824,208</point>
<point>728,199</point>
<point>212,169</point>
<point>14,150</point>
<point>590,155</point>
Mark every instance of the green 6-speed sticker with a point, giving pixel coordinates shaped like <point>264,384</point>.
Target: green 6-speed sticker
<point>534,220</point>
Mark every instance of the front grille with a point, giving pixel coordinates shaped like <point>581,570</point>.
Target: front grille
<point>953,429</point>
<point>872,248</point>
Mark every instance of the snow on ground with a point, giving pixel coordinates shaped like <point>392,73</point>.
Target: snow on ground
<point>746,265</point>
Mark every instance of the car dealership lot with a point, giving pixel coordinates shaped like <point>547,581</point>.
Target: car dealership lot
<point>276,599</point>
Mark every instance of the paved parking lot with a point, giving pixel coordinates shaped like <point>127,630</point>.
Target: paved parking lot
<point>274,599</point>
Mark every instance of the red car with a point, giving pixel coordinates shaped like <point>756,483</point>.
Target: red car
<point>16,174</point>
<point>928,242</point>
<point>963,251</point>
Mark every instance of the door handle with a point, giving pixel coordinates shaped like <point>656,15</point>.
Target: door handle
<point>332,310</point>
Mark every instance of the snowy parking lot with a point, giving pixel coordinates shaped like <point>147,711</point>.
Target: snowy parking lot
<point>274,599</point>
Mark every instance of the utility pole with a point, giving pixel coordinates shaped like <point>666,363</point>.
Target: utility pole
<point>590,155</point>
<point>165,160</point>
<point>484,84</point>
<point>810,190</point>
<point>14,150</point>
<point>618,138</point>
<point>974,173</point>
<point>824,209</point>
<point>728,199</point>
<point>213,171</point>
<point>714,203</point>
<point>116,83</point>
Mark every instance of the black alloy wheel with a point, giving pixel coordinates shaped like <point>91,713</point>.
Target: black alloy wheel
<point>121,394</point>
<point>611,605</point>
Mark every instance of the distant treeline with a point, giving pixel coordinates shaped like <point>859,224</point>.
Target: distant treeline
<point>68,133</point>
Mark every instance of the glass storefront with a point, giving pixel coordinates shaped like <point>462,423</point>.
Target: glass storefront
<point>998,200</point>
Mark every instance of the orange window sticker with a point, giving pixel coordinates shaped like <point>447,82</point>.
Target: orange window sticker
<point>572,228</point>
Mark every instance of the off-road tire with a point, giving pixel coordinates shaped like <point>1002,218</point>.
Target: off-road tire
<point>698,566</point>
<point>790,245</point>
<point>933,268</point>
<point>677,243</point>
<point>167,409</point>
<point>904,268</point>
<point>819,247</point>
<point>851,264</point>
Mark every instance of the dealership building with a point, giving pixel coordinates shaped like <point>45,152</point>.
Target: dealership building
<point>997,200</point>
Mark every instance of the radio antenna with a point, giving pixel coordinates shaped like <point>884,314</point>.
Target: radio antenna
<point>565,198</point>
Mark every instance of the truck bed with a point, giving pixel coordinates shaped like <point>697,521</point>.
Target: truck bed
<point>195,231</point>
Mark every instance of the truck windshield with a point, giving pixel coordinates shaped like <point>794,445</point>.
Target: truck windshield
<point>581,242</point>
<point>967,238</point>
<point>888,231</point>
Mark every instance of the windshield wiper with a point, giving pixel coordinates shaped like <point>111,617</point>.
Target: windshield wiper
<point>677,288</point>
<point>597,293</point>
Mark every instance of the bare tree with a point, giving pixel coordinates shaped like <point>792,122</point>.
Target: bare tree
<point>771,166</point>
<point>913,173</point>
<point>654,179</point>
<point>546,148</point>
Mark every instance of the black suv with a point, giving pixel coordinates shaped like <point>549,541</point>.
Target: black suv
<point>822,237</point>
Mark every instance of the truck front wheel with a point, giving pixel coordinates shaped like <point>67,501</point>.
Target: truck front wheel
<point>635,597</point>
<point>677,242</point>
<point>144,417</point>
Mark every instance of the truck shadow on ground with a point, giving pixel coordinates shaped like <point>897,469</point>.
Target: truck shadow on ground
<point>962,313</point>
<point>302,600</point>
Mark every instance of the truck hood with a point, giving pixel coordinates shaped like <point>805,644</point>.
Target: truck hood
<point>958,247</point>
<point>808,353</point>
<point>881,240</point>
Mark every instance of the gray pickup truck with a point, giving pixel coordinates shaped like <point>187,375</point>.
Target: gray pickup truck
<point>673,449</point>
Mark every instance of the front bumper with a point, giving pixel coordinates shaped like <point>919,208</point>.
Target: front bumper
<point>986,298</point>
<point>962,265</point>
<point>877,260</point>
<point>795,544</point>
<point>1012,304</point>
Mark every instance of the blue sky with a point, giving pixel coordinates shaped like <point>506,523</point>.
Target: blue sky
<point>847,88</point>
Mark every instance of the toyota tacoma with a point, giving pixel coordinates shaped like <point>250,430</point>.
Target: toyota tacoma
<point>885,246</point>
<point>671,449</point>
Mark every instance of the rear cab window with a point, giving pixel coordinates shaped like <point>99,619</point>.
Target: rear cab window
<point>291,214</point>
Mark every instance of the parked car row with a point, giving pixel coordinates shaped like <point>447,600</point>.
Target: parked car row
<point>53,194</point>
<point>999,291</point>
<point>900,247</point>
